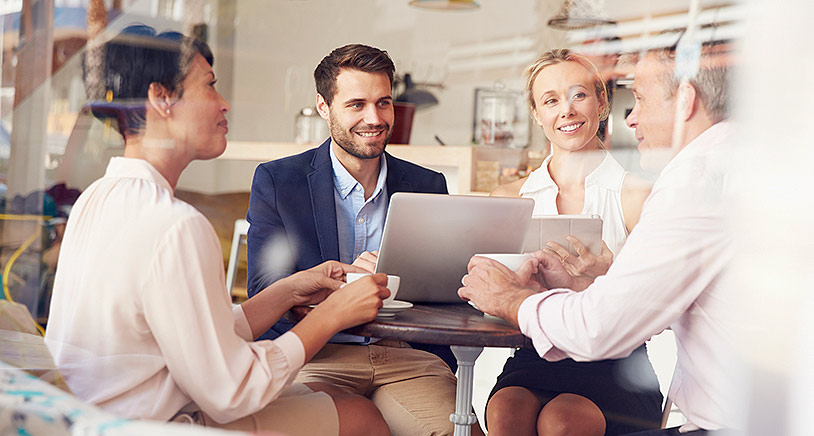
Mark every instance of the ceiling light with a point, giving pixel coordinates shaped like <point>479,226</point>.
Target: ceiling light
<point>449,5</point>
<point>578,14</point>
<point>421,98</point>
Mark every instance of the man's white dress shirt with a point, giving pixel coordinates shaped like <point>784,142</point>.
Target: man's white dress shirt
<point>141,322</point>
<point>667,275</point>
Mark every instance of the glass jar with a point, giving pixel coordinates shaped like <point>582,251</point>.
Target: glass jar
<point>309,127</point>
<point>501,118</point>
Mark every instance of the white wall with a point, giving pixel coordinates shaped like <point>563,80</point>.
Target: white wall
<point>279,42</point>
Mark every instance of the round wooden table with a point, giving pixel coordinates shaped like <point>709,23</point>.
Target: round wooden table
<point>461,326</point>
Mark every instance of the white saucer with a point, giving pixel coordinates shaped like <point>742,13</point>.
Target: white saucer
<point>393,307</point>
<point>390,308</point>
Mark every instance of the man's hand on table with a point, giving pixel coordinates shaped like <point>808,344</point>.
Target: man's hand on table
<point>497,290</point>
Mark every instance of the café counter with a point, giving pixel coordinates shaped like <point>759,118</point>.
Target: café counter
<point>463,165</point>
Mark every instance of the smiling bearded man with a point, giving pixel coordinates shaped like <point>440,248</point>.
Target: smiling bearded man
<point>330,203</point>
<point>361,116</point>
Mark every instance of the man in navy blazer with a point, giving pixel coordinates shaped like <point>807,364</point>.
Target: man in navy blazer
<point>330,203</point>
<point>294,197</point>
<point>293,216</point>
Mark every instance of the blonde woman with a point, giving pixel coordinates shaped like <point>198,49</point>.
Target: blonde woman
<point>532,396</point>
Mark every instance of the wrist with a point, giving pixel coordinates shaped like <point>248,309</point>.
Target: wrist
<point>313,331</point>
<point>579,284</point>
<point>282,293</point>
<point>513,304</point>
<point>329,320</point>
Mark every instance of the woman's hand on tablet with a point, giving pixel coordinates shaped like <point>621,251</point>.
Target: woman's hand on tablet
<point>583,264</point>
<point>554,274</point>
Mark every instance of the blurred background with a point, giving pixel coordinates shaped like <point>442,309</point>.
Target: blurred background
<point>462,109</point>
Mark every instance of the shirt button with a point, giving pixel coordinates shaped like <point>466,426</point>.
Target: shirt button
<point>358,188</point>
<point>361,220</point>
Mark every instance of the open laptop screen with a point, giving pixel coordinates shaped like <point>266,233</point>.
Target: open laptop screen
<point>428,239</point>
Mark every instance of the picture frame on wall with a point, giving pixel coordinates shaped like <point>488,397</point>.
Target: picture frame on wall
<point>500,118</point>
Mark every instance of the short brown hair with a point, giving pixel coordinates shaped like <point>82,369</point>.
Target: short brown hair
<point>353,56</point>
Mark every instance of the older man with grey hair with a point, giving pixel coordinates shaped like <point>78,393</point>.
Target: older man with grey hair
<point>668,275</point>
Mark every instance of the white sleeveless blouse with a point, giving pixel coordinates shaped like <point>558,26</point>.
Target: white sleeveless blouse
<point>603,197</point>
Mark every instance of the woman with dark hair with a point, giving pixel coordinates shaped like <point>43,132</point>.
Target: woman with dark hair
<point>141,323</point>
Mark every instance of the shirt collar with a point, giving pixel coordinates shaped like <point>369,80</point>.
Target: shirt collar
<point>344,181</point>
<point>132,168</point>
<point>541,179</point>
<point>602,174</point>
<point>719,132</point>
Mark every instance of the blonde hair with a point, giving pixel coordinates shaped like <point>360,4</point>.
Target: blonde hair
<point>560,55</point>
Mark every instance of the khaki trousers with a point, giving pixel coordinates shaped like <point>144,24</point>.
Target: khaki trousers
<point>414,390</point>
<point>298,411</point>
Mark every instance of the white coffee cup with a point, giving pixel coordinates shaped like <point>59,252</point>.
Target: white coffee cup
<point>512,261</point>
<point>392,283</point>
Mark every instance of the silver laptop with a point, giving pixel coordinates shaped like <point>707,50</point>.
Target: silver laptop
<point>428,239</point>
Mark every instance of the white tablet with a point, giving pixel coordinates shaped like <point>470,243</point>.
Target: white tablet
<point>545,228</point>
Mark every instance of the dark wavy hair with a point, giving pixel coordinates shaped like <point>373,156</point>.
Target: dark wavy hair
<point>355,57</point>
<point>118,73</point>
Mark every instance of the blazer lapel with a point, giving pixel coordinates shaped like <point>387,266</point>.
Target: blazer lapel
<point>321,186</point>
<point>395,177</point>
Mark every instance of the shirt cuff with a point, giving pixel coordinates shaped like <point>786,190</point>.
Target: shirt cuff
<point>242,328</point>
<point>293,350</point>
<point>687,427</point>
<point>530,323</point>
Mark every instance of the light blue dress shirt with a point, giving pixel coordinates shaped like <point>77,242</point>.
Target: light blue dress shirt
<point>359,222</point>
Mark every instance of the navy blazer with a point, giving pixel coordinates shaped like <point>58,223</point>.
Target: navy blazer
<point>292,216</point>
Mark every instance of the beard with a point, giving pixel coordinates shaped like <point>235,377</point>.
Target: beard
<point>353,144</point>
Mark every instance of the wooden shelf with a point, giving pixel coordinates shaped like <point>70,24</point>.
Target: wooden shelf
<point>458,158</point>
<point>232,172</point>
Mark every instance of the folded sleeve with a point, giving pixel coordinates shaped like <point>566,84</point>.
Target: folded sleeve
<point>242,327</point>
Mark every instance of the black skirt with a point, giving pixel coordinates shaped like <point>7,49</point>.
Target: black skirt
<point>626,390</point>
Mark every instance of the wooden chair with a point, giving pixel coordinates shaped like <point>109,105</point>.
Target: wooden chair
<point>238,240</point>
